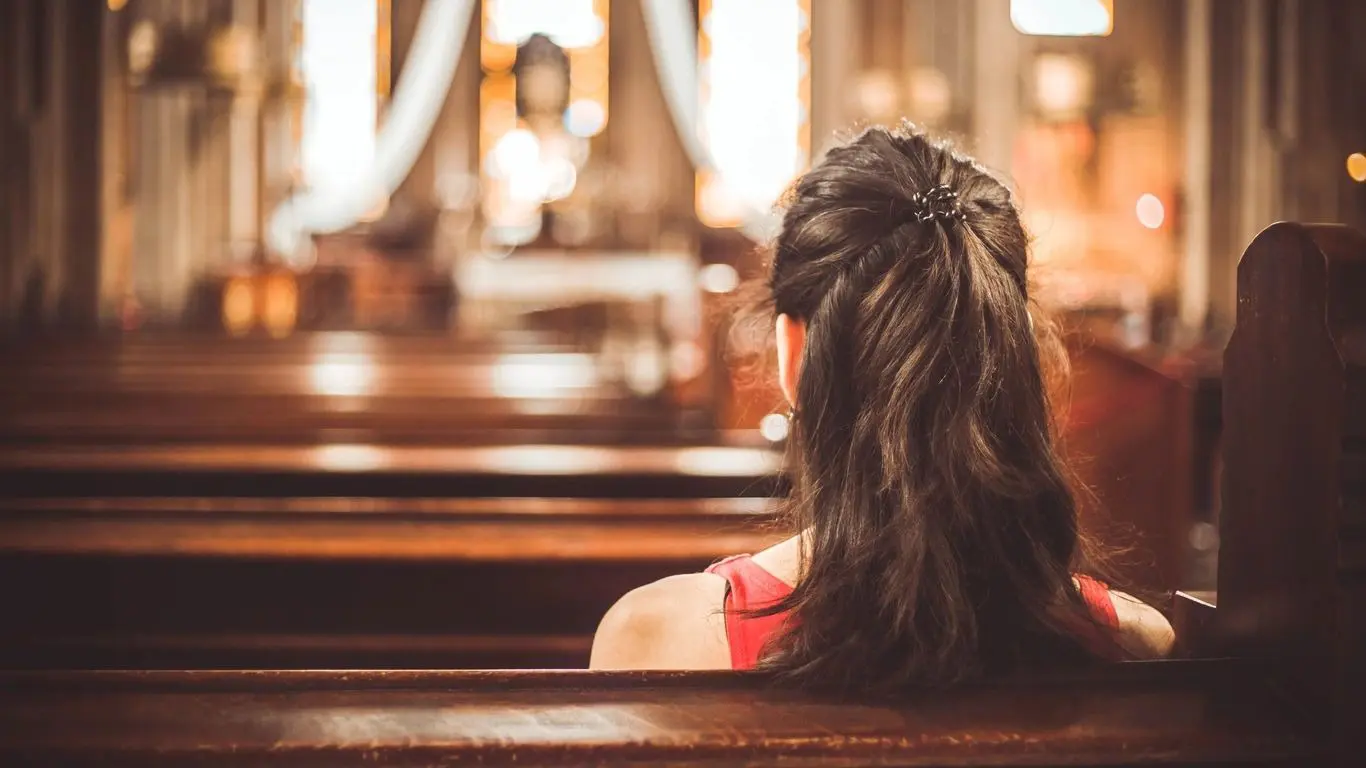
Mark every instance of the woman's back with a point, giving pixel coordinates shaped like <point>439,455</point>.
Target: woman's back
<point>698,621</point>
<point>936,529</point>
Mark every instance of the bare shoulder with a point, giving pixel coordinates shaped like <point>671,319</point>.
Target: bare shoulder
<point>673,623</point>
<point>1143,631</point>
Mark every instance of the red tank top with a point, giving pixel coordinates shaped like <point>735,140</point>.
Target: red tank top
<point>750,587</point>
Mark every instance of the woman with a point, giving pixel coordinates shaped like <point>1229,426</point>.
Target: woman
<point>938,533</point>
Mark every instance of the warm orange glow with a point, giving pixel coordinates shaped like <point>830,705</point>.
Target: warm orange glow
<point>239,306</point>
<point>1356,166</point>
<point>280,307</point>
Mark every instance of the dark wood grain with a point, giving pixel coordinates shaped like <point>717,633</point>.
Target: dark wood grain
<point>1128,434</point>
<point>329,387</point>
<point>363,470</point>
<point>1200,714</point>
<point>1292,584</point>
<point>256,582</point>
<point>469,530</point>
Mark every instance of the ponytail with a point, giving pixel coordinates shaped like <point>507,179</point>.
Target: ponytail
<point>940,530</point>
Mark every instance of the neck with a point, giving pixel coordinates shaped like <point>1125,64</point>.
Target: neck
<point>784,559</point>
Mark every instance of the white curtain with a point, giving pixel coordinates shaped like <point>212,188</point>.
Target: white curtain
<point>673,40</point>
<point>418,97</point>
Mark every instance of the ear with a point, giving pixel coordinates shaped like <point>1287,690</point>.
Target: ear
<point>791,342</point>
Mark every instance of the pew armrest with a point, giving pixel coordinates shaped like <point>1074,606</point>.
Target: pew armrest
<point>1193,620</point>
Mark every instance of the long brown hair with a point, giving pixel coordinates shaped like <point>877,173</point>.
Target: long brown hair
<point>941,525</point>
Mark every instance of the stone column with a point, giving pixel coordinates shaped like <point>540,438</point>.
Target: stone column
<point>77,95</point>
<point>244,151</point>
<point>834,28</point>
<point>276,139</point>
<point>996,88</point>
<point>641,142</point>
<point>163,249</point>
<point>419,186</point>
<point>12,175</point>
<point>184,153</point>
<point>1195,264</point>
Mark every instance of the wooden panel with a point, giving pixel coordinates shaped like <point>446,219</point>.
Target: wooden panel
<point>341,583</point>
<point>465,530</point>
<point>403,471</point>
<point>1128,435</point>
<point>1172,714</point>
<point>1290,587</point>
<point>329,387</point>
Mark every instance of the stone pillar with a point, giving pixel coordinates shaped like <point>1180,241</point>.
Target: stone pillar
<point>164,251</point>
<point>49,126</point>
<point>452,150</point>
<point>116,179</point>
<point>193,154</point>
<point>13,175</point>
<point>244,151</point>
<point>78,95</point>
<point>642,145</point>
<point>418,187</point>
<point>278,148</point>
<point>834,28</point>
<point>1195,264</point>
<point>996,87</point>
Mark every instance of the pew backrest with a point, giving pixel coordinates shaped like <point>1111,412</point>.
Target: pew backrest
<point>1200,713</point>
<point>1292,571</point>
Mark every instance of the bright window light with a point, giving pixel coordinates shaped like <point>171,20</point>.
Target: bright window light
<point>755,103</point>
<point>570,23</point>
<point>1063,18</point>
<point>339,66</point>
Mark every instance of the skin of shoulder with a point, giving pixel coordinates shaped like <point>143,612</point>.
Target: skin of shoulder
<point>1143,631</point>
<point>672,624</point>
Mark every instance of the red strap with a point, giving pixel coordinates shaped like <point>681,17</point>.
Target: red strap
<point>1097,598</point>
<point>1101,605</point>
<point>750,588</point>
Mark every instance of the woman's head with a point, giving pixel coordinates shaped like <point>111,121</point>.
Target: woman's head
<point>942,530</point>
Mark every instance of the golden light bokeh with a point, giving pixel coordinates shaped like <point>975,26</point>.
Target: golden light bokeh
<point>1356,166</point>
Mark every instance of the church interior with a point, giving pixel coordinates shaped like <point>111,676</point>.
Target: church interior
<point>357,355</point>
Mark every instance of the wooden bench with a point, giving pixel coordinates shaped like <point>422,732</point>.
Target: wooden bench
<point>340,582</point>
<point>377,471</point>
<point>325,388</point>
<point>1288,618</point>
<point>1149,714</point>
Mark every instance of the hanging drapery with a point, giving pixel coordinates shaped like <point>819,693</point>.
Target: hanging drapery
<point>673,41</point>
<point>427,74</point>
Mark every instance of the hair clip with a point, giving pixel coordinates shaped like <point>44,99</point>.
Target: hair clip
<point>939,202</point>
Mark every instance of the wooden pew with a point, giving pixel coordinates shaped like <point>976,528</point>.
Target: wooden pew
<point>376,471</point>
<point>338,582</point>
<point>218,553</point>
<point>1154,714</point>
<point>327,387</point>
<point>1287,617</point>
<point>1292,564</point>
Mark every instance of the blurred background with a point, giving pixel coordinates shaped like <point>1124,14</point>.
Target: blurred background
<point>362,243</point>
